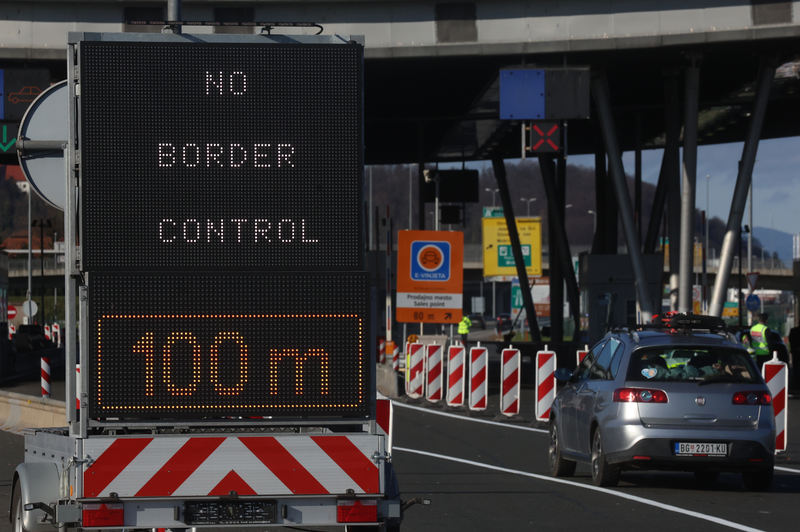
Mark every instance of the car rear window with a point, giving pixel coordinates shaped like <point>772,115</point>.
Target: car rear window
<point>691,364</point>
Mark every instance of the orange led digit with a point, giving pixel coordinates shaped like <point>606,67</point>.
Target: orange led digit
<point>145,347</point>
<point>242,348</point>
<point>195,361</point>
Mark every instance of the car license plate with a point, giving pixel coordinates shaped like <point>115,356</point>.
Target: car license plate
<point>706,449</point>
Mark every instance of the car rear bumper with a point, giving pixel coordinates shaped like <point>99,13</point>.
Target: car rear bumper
<point>659,453</point>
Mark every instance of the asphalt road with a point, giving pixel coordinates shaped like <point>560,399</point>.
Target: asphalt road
<point>480,474</point>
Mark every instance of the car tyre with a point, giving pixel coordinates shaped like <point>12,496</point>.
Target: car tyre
<point>603,473</point>
<point>16,508</point>
<point>758,480</point>
<point>559,467</point>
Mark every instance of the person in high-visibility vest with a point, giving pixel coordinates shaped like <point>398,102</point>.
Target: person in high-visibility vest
<point>759,340</point>
<point>463,328</point>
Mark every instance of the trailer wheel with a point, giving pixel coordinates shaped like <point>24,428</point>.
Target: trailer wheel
<point>16,508</point>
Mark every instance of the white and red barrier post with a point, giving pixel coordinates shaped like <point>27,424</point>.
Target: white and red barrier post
<point>47,332</point>
<point>415,371</point>
<point>510,381</point>
<point>582,354</point>
<point>545,383</point>
<point>78,386</point>
<point>455,375</point>
<point>433,356</point>
<point>57,334</point>
<point>45,377</point>
<point>382,349</point>
<point>776,375</point>
<point>385,419</point>
<point>478,377</point>
<point>12,330</point>
<point>396,357</point>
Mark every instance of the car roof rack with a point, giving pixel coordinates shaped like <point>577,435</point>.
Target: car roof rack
<point>675,322</point>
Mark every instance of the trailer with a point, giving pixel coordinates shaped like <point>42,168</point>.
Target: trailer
<point>213,195</point>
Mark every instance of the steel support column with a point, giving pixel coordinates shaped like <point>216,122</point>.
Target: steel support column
<point>421,177</point>
<point>555,211</point>
<point>766,73</point>
<point>601,201</point>
<point>689,182</point>
<point>617,170</point>
<point>559,248</point>
<point>672,167</point>
<point>657,212</point>
<point>499,167</point>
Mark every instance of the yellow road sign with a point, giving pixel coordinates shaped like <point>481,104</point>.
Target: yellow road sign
<point>498,258</point>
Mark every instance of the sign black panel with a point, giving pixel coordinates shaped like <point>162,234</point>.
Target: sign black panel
<point>228,345</point>
<point>221,156</point>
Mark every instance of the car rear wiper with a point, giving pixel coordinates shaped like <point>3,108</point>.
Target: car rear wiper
<point>723,379</point>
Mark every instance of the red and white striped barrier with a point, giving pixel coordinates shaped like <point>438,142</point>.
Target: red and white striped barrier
<point>455,375</point>
<point>545,383</point>
<point>12,330</point>
<point>216,465</point>
<point>478,377</point>
<point>57,334</point>
<point>47,332</point>
<point>45,377</point>
<point>78,386</point>
<point>582,354</point>
<point>415,371</point>
<point>776,375</point>
<point>395,356</point>
<point>382,349</point>
<point>510,381</point>
<point>433,357</point>
<point>384,418</point>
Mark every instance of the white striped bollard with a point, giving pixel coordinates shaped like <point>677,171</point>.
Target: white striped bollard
<point>509,381</point>
<point>455,375</point>
<point>45,377</point>
<point>396,357</point>
<point>478,377</point>
<point>416,371</point>
<point>545,383</point>
<point>433,358</point>
<point>776,375</point>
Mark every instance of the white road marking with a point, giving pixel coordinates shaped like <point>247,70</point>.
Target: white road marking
<point>787,469</point>
<point>457,416</point>
<point>622,495</point>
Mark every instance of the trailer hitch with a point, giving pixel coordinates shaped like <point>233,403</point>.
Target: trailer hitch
<point>43,507</point>
<point>416,500</point>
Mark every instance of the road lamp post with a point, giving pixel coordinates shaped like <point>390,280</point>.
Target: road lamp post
<point>529,203</point>
<point>493,191</point>
<point>42,224</point>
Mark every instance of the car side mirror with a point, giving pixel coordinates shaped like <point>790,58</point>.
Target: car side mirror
<point>563,374</point>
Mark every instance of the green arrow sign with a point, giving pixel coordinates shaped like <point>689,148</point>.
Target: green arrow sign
<point>7,145</point>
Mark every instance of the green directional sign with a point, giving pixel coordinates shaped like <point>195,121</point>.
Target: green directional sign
<point>516,296</point>
<point>493,212</point>
<point>505,256</point>
<point>9,137</point>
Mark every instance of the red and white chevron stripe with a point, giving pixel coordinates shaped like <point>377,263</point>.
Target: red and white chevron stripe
<point>433,355</point>
<point>455,375</point>
<point>249,465</point>
<point>479,377</point>
<point>395,356</point>
<point>776,375</point>
<point>415,371</point>
<point>382,349</point>
<point>509,381</point>
<point>47,332</point>
<point>545,383</point>
<point>12,330</point>
<point>385,419</point>
<point>45,377</point>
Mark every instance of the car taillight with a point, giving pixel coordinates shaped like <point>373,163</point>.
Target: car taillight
<point>104,514</point>
<point>752,398</point>
<point>356,511</point>
<point>639,395</point>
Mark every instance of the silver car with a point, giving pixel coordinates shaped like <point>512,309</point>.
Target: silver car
<point>679,397</point>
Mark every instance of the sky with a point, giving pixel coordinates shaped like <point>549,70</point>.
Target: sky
<point>776,180</point>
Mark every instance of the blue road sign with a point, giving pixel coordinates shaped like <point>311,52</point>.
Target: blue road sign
<point>430,260</point>
<point>753,303</point>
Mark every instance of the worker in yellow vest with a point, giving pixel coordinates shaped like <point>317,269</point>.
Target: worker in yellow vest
<point>759,340</point>
<point>463,329</point>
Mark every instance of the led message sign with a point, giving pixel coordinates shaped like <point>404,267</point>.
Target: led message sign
<point>216,345</point>
<point>221,156</point>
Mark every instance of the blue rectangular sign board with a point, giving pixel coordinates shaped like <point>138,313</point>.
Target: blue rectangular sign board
<point>522,94</point>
